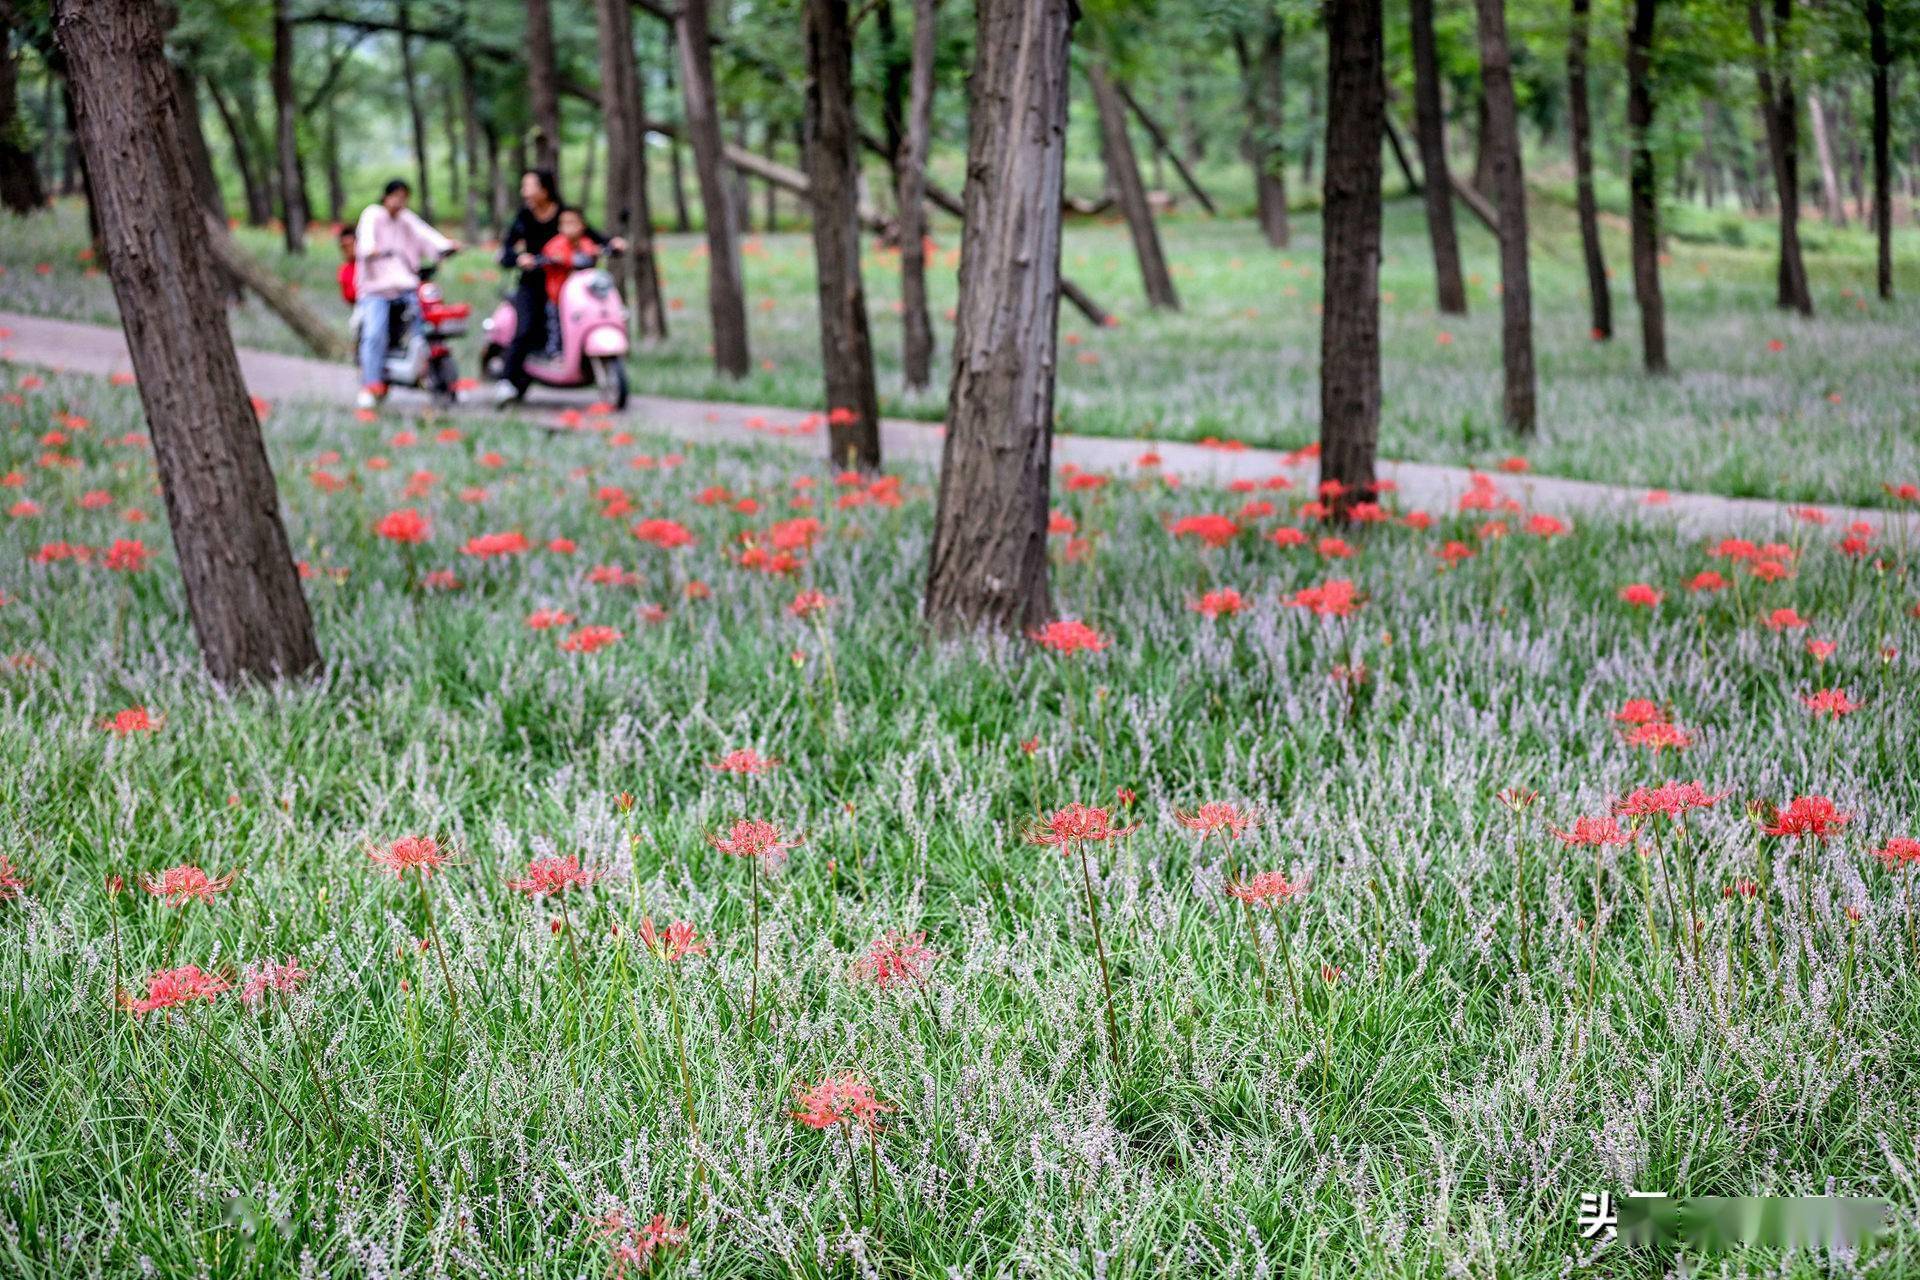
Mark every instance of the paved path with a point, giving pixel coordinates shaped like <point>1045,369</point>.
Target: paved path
<point>98,349</point>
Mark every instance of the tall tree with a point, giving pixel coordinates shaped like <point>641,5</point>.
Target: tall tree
<point>1501,141</point>
<point>423,177</point>
<point>1643,192</point>
<point>1599,293</point>
<point>1880,50</point>
<point>543,86</point>
<point>293,189</point>
<point>1430,131</point>
<point>1123,168</point>
<point>833,170</point>
<point>1832,205</point>
<point>726,294</point>
<point>20,189</point>
<point>1263,91</point>
<point>242,588</point>
<point>1781,116</point>
<point>629,211</point>
<point>916,349</point>
<point>1350,301</point>
<point>989,559</point>
<point>259,198</point>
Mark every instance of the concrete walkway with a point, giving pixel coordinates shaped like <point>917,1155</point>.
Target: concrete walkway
<point>96,349</point>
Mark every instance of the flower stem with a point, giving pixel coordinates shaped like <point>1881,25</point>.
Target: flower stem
<point>1100,948</point>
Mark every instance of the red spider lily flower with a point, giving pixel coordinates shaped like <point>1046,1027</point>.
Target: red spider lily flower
<point>1639,711</point>
<point>11,881</point>
<point>1062,523</point>
<point>1814,816</point>
<point>1641,595</point>
<point>410,853</point>
<point>1125,795</point>
<point>634,1245</point>
<point>1267,887</point>
<point>1214,530</point>
<point>1769,570</point>
<point>272,975</point>
<point>441,580</point>
<point>1334,549</point>
<point>1216,817</point>
<point>1453,552</point>
<point>665,534</point>
<point>1706,580</point>
<point>1335,598</point>
<point>1671,799</point>
<point>128,555</point>
<point>589,639</point>
<point>1592,833</point>
<point>546,876</point>
<point>404,526</point>
<point>179,885</point>
<point>1545,526</point>
<point>1085,482</point>
<point>132,720</point>
<point>1331,974</point>
<point>679,940</point>
<point>1734,549</point>
<point>1821,650</point>
<point>172,988</point>
<point>1288,536</point>
<point>1898,851</point>
<point>547,619</point>
<point>612,575</point>
<point>1068,636</point>
<point>488,546</point>
<point>1832,703</point>
<point>746,761</point>
<point>807,603</point>
<point>837,1100</point>
<point>1367,513</point>
<point>1222,603</point>
<point>1904,492</point>
<point>1742,887</point>
<point>1517,799</point>
<point>749,838</point>
<point>1658,736</point>
<point>1785,620</point>
<point>895,959</point>
<point>1075,825</point>
<point>562,546</point>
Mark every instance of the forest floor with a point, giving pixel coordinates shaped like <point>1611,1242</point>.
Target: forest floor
<point>1761,403</point>
<point>1457,998</point>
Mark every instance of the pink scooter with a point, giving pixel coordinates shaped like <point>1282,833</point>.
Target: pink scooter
<point>593,337</point>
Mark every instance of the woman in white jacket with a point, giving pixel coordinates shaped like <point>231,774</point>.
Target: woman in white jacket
<point>390,242</point>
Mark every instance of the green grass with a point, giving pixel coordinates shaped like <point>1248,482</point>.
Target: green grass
<point>1830,417</point>
<point>1446,1124</point>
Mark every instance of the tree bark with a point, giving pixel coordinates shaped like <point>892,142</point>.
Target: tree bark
<point>916,349</point>
<point>726,294</point>
<point>1131,192</point>
<point>682,223</point>
<point>629,211</point>
<point>1644,202</point>
<point>1264,93</point>
<point>846,345</point>
<point>1833,206</point>
<point>1881,52</point>
<point>293,190</point>
<point>478,161</point>
<point>450,120</point>
<point>1430,132</point>
<point>1501,142</point>
<point>1782,120</point>
<point>1163,148</point>
<point>1599,292</point>
<point>20,189</point>
<point>989,560</point>
<point>423,189</point>
<point>242,588</point>
<point>542,87</point>
<point>1350,302</point>
<point>259,205</point>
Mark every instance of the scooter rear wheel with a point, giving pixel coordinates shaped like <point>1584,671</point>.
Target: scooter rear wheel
<point>610,379</point>
<point>442,375</point>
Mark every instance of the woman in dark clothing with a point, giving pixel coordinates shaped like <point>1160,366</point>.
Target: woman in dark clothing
<point>537,222</point>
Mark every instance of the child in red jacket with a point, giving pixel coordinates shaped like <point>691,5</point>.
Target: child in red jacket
<point>348,277</point>
<point>560,252</point>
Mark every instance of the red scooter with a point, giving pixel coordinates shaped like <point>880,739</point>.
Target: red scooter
<point>424,359</point>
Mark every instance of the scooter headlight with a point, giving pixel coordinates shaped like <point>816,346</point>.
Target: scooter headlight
<point>600,285</point>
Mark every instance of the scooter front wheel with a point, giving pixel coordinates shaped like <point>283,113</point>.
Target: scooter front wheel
<point>610,379</point>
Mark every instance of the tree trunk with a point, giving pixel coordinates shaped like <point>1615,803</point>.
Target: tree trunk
<point>543,87</point>
<point>1782,120</point>
<point>989,559</point>
<point>293,190</point>
<point>726,295</point>
<point>629,212</point>
<point>770,194</point>
<point>242,588</point>
<point>450,120</point>
<point>737,181</point>
<point>478,159</point>
<point>1599,293</point>
<point>895,66</point>
<point>1644,203</point>
<point>1350,302</point>
<point>1881,51</point>
<point>916,349</point>
<point>682,223</point>
<point>1501,143</point>
<point>1264,92</point>
<point>846,346</point>
<point>423,190</point>
<point>1846,127</point>
<point>1833,206</point>
<point>1430,131</point>
<point>259,207</point>
<point>206,184</point>
<point>20,189</point>
<point>586,174</point>
<point>1130,191</point>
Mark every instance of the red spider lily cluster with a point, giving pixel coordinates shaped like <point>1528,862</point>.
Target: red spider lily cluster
<point>631,1245</point>
<point>673,944</point>
<point>897,958</point>
<point>177,886</point>
<point>410,853</point>
<point>1077,824</point>
<point>548,876</point>
<point>750,838</point>
<point>844,1099</point>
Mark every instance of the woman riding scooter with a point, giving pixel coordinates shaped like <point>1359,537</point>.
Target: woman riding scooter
<point>536,223</point>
